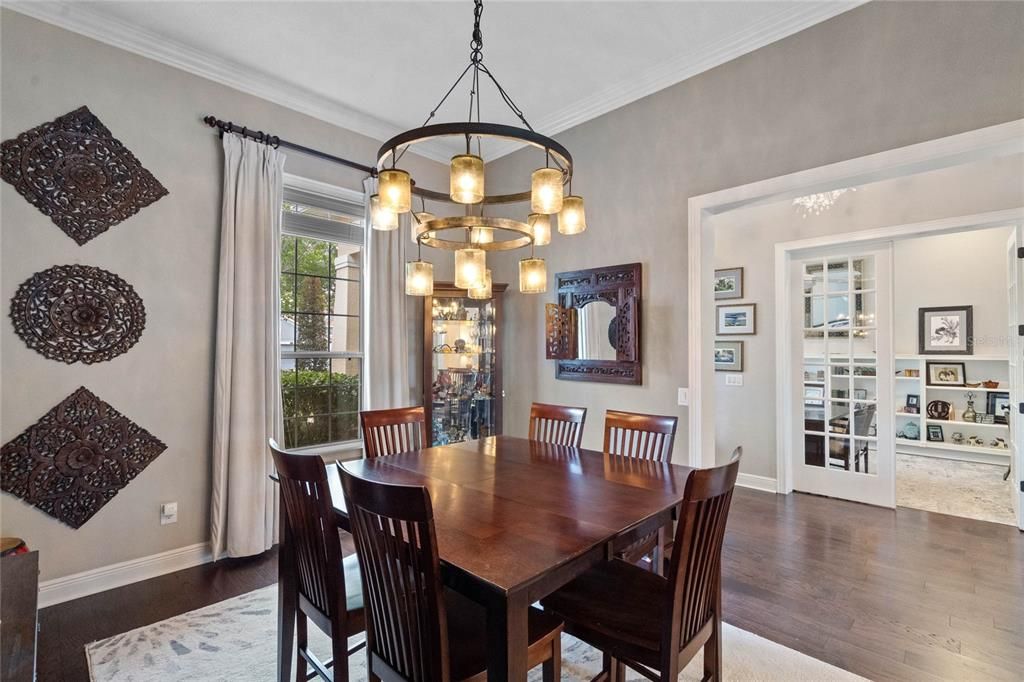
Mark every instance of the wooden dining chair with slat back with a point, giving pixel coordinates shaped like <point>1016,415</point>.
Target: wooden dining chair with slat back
<point>392,432</point>
<point>647,437</point>
<point>557,424</point>
<point>330,591</point>
<point>416,630</point>
<point>652,624</point>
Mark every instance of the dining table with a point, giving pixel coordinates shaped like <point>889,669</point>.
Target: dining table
<point>515,520</point>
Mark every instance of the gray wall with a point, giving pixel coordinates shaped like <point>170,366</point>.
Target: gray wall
<point>168,252</point>
<point>966,268</point>
<point>881,76</point>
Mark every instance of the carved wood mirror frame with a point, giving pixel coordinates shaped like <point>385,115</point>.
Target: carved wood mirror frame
<point>618,285</point>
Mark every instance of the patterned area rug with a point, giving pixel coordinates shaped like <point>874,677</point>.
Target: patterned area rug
<point>968,489</point>
<point>235,640</point>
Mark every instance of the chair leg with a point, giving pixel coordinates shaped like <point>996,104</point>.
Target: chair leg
<point>713,652</point>
<point>552,667</point>
<point>301,643</point>
<point>618,671</point>
<point>339,646</point>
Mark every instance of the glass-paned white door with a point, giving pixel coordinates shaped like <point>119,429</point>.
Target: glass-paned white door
<point>845,378</point>
<point>1015,299</point>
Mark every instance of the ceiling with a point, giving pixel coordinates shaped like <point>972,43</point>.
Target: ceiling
<point>380,67</point>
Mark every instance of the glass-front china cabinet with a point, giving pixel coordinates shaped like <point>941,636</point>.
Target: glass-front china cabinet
<point>462,364</point>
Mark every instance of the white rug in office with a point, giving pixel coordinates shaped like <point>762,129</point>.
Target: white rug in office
<point>235,640</point>
<point>948,486</point>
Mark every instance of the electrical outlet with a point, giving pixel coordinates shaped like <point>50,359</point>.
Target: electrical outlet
<point>734,380</point>
<point>168,513</point>
<point>684,396</point>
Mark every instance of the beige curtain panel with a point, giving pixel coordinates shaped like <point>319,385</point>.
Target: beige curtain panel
<point>247,390</point>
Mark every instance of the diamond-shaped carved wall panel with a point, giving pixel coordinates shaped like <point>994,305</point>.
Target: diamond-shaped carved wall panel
<point>76,458</point>
<point>77,173</point>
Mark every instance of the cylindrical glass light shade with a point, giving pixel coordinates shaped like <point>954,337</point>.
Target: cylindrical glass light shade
<point>533,276</point>
<point>395,188</point>
<point>470,265</point>
<point>572,220</point>
<point>482,235</point>
<point>381,218</point>
<point>483,291</point>
<point>467,179</point>
<point>541,226</point>
<point>546,191</point>
<point>419,219</point>
<point>419,278</point>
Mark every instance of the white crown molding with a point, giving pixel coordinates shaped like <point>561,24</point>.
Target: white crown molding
<point>88,21</point>
<point>116,575</point>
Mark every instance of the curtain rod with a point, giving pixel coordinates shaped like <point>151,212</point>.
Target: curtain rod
<point>275,141</point>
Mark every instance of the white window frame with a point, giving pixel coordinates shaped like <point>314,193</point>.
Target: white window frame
<point>332,192</point>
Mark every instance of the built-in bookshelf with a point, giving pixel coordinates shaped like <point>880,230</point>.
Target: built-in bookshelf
<point>979,368</point>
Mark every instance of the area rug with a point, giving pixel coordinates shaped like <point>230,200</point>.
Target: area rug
<point>947,486</point>
<point>235,640</point>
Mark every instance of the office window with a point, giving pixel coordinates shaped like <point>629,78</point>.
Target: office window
<point>321,318</point>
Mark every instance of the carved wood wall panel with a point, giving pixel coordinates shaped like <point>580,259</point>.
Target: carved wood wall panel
<point>560,331</point>
<point>619,286</point>
<point>78,313</point>
<point>76,458</point>
<point>78,174</point>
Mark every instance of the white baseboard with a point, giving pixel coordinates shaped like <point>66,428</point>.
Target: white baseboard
<point>763,483</point>
<point>108,577</point>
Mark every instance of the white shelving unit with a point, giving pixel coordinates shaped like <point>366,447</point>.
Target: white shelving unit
<point>979,368</point>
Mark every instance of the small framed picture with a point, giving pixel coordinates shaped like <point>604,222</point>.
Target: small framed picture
<point>948,330</point>
<point>913,403</point>
<point>737,319</point>
<point>946,374</point>
<point>814,396</point>
<point>935,433</point>
<point>728,283</point>
<point>998,405</point>
<point>860,394</point>
<point>728,356</point>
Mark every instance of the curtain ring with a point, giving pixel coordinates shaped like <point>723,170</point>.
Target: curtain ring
<point>244,129</point>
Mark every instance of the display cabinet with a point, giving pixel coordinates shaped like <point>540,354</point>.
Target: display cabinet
<point>462,364</point>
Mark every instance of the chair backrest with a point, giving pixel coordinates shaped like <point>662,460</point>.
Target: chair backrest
<point>645,436</point>
<point>695,567</point>
<point>393,527</point>
<point>557,424</point>
<point>392,432</point>
<point>314,535</point>
<point>862,419</point>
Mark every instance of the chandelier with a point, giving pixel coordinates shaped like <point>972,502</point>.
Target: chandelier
<point>477,230</point>
<point>816,204</point>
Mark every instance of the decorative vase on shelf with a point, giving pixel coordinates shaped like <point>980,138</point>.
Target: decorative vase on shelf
<point>969,414</point>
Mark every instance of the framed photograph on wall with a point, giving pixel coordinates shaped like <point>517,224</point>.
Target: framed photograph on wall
<point>935,434</point>
<point>728,356</point>
<point>728,283</point>
<point>948,330</point>
<point>737,319</point>
<point>947,374</point>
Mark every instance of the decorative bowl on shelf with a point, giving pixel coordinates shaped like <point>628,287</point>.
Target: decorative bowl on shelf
<point>988,383</point>
<point>974,385</point>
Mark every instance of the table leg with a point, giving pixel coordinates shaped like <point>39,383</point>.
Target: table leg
<point>287,602</point>
<point>507,639</point>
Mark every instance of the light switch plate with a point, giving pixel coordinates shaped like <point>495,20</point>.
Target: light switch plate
<point>734,380</point>
<point>684,396</point>
<point>168,513</point>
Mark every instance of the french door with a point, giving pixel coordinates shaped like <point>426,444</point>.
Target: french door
<point>841,309</point>
<point>1015,299</point>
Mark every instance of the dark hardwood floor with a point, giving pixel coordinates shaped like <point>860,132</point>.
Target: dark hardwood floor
<point>904,595</point>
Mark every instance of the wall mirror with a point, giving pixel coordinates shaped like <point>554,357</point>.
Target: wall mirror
<point>593,331</point>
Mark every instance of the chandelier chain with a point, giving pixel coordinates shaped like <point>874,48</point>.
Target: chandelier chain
<point>476,54</point>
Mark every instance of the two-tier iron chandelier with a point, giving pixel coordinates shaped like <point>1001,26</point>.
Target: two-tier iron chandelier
<point>476,232</point>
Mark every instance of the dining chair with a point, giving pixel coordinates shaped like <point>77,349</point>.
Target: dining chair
<point>557,424</point>
<point>330,591</point>
<point>392,432</point>
<point>415,629</point>
<point>652,624</point>
<point>647,437</point>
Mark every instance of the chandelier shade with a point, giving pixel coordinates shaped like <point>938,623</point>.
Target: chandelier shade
<point>572,219</point>
<point>394,186</point>
<point>483,290</point>
<point>467,179</point>
<point>381,218</point>
<point>482,235</point>
<point>540,225</point>
<point>470,265</point>
<point>533,276</point>
<point>419,278</point>
<point>546,191</point>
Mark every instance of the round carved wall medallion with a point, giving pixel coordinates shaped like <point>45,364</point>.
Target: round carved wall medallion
<point>78,313</point>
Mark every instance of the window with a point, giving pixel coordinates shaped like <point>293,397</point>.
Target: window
<point>321,321</point>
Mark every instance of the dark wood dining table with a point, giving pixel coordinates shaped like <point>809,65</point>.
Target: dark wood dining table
<point>515,520</point>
